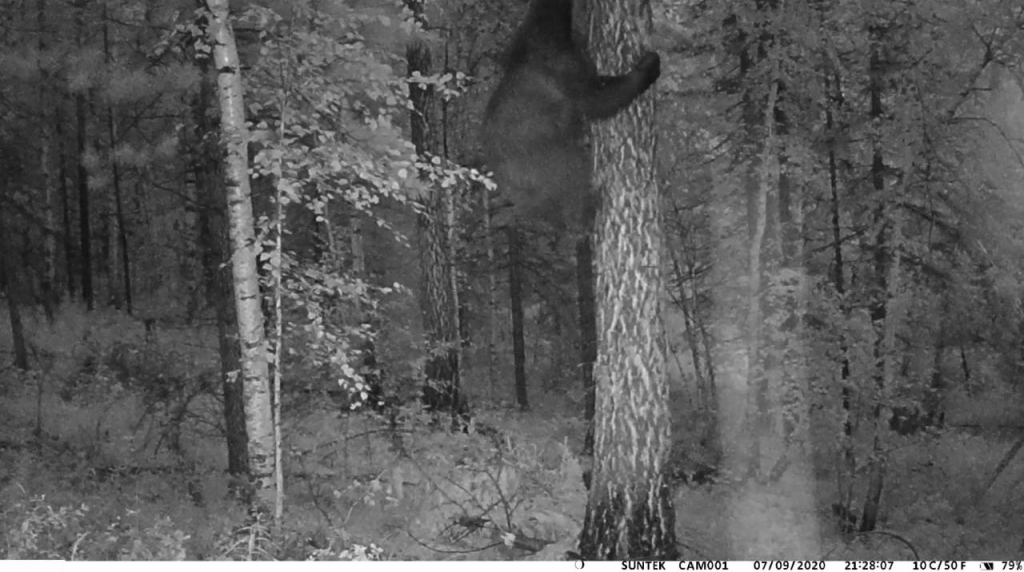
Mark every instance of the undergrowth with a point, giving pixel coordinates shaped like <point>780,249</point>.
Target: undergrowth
<point>113,449</point>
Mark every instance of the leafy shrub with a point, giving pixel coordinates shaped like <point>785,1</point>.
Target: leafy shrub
<point>161,541</point>
<point>37,530</point>
<point>359,552</point>
<point>251,541</point>
<point>40,532</point>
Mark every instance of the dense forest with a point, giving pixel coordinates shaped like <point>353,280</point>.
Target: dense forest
<point>511,280</point>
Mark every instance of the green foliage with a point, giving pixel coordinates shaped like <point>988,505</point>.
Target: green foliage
<point>38,530</point>
<point>490,494</point>
<point>161,541</point>
<point>361,553</point>
<point>480,492</point>
<point>327,105</point>
<point>329,148</point>
<point>251,541</point>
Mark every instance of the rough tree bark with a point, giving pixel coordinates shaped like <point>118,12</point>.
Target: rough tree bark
<point>588,329</point>
<point>439,302</point>
<point>515,286</point>
<point>629,511</point>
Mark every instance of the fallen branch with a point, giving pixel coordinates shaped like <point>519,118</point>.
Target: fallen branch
<point>1000,468</point>
<point>896,536</point>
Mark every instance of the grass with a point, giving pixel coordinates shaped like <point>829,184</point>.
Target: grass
<point>111,476</point>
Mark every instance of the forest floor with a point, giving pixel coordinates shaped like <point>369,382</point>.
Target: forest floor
<point>97,465</point>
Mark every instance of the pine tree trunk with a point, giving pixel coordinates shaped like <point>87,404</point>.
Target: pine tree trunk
<point>439,302</point>
<point>13,306</point>
<point>122,242</point>
<point>492,294</point>
<point>50,293</point>
<point>65,205</point>
<point>588,330</point>
<point>84,221</point>
<point>120,278</point>
<point>442,369</point>
<point>117,245</point>
<point>515,286</point>
<point>629,511</point>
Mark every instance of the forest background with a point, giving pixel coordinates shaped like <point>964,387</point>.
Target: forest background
<point>841,197</point>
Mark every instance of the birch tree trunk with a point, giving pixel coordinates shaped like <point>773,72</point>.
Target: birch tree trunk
<point>213,244</point>
<point>254,366</point>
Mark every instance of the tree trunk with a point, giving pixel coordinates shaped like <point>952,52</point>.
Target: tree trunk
<point>879,453</point>
<point>886,275</point>
<point>439,302</point>
<point>588,330</point>
<point>458,334</point>
<point>757,382</point>
<point>65,202</point>
<point>515,286</point>
<point>683,299</point>
<point>84,222</point>
<point>213,246</point>
<point>120,268</point>
<point>443,365</point>
<point>687,285</point>
<point>790,300</point>
<point>629,511</point>
<point>49,280</point>
<point>13,306</point>
<point>754,45</point>
<point>245,249</point>
<point>492,293</point>
<point>277,340</point>
<point>122,241</point>
<point>848,462</point>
